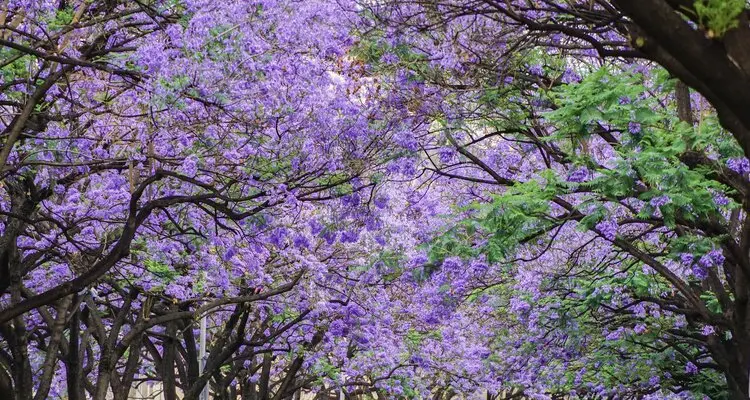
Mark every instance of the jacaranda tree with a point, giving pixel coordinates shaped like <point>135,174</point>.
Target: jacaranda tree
<point>160,160</point>
<point>614,196</point>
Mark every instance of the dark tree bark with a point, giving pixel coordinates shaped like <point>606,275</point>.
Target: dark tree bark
<point>684,108</point>
<point>168,362</point>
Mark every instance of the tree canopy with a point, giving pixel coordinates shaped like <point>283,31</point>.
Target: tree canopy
<point>415,199</point>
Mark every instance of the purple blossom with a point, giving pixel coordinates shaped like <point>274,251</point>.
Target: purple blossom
<point>686,259</point>
<point>337,328</point>
<point>301,241</point>
<point>381,201</point>
<point>720,199</point>
<point>691,369</point>
<point>446,154</point>
<point>660,201</point>
<point>740,165</point>
<point>379,239</point>
<point>190,166</point>
<point>570,76</point>
<point>330,236</point>
<point>616,335</point>
<point>231,251</point>
<point>389,58</point>
<point>711,259</point>
<point>315,226</point>
<point>351,200</point>
<point>706,261</point>
<point>419,361</point>
<point>278,236</point>
<point>608,228</point>
<point>350,236</point>
<point>634,127</point>
<point>708,330</point>
<point>640,310</point>
<point>478,267</point>
<point>716,256</point>
<point>699,272</point>
<point>519,306</point>
<point>640,329</point>
<point>578,175</point>
<point>537,70</point>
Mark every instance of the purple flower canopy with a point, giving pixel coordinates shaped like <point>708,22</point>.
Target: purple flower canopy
<point>409,199</point>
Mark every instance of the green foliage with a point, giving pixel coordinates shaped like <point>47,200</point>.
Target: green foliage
<point>16,65</point>
<point>650,154</point>
<point>596,99</point>
<point>61,18</point>
<point>162,271</point>
<point>287,314</point>
<point>175,89</point>
<point>323,368</point>
<point>371,50</point>
<point>512,217</point>
<point>712,302</point>
<point>719,16</point>
<point>368,51</point>
<point>516,216</point>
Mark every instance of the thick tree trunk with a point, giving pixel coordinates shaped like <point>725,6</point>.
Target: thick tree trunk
<point>168,375</point>
<point>73,367</point>
<point>51,353</point>
<point>265,378</point>
<point>6,384</point>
